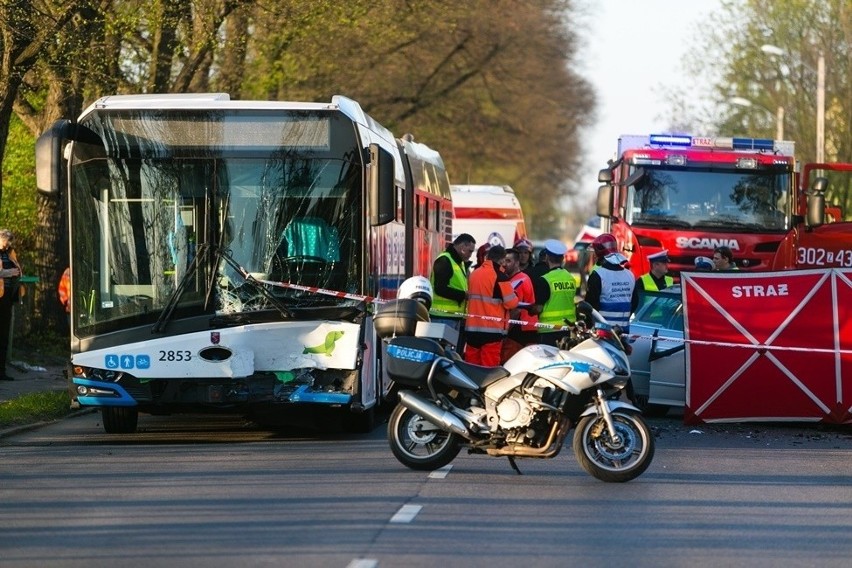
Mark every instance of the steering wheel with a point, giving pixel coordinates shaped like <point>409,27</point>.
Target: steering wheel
<point>301,266</point>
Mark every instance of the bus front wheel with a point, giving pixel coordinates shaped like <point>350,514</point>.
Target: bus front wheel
<point>119,419</point>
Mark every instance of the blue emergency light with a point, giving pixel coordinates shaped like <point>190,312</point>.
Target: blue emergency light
<point>670,140</point>
<point>753,144</point>
<point>723,143</point>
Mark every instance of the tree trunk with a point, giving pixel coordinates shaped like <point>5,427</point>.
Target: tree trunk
<point>51,244</point>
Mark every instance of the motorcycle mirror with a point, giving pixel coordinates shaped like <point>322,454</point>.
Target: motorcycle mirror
<point>584,313</point>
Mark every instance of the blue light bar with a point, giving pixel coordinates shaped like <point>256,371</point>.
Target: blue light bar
<point>683,141</point>
<point>754,144</point>
<point>670,140</point>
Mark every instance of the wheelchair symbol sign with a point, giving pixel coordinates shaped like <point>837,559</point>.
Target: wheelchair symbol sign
<point>127,361</point>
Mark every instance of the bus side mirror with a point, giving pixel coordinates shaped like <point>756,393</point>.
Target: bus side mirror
<point>605,201</point>
<point>50,152</point>
<point>816,203</point>
<point>48,157</point>
<point>382,191</point>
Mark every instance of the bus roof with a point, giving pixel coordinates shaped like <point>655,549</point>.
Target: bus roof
<point>203,101</point>
<point>208,101</point>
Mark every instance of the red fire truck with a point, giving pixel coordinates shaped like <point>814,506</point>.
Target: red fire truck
<point>689,195</point>
<point>825,239</point>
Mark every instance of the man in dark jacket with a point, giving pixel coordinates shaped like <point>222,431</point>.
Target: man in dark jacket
<point>554,294</point>
<point>449,285</point>
<point>655,280</point>
<point>539,267</point>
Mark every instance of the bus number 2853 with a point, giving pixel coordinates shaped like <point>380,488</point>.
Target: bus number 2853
<point>175,355</point>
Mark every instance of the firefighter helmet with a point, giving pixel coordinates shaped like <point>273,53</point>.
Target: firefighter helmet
<point>604,244</point>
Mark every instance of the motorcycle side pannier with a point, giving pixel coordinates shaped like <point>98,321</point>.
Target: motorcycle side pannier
<point>399,317</point>
<point>411,358</point>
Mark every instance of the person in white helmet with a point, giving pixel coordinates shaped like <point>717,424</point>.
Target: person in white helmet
<point>609,288</point>
<point>416,288</point>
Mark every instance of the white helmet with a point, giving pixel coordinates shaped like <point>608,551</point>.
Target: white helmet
<point>417,288</point>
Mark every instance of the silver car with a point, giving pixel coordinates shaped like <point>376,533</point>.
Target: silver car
<point>658,360</point>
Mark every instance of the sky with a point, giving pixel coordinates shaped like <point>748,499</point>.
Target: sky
<point>632,51</point>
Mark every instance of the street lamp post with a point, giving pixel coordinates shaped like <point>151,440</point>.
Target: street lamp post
<point>820,96</point>
<point>820,133</point>
<point>779,114</point>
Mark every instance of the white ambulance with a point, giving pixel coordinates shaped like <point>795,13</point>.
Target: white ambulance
<point>491,213</point>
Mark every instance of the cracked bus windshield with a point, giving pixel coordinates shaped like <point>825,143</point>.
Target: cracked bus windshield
<point>699,199</point>
<point>196,215</point>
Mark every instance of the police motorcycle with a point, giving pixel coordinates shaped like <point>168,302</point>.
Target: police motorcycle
<point>523,409</point>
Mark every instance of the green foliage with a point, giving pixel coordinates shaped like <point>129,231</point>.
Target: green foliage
<point>34,407</point>
<point>731,50</point>
<point>42,344</point>
<point>18,211</point>
<point>487,83</point>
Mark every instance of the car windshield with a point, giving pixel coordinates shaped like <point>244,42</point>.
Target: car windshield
<point>661,309</point>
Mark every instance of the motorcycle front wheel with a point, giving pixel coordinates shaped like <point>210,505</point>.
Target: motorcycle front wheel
<point>614,460</point>
<point>419,444</point>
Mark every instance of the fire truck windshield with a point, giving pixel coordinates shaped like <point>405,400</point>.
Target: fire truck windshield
<point>714,200</point>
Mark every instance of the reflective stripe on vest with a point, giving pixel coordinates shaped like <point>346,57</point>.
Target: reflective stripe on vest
<point>616,293</point>
<point>649,285</point>
<point>560,306</point>
<point>450,308</point>
<point>523,287</point>
<point>481,301</point>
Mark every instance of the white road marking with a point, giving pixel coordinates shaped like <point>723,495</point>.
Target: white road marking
<point>406,514</point>
<point>441,473</point>
<point>363,563</point>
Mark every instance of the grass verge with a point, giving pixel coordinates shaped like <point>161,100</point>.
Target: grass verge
<point>34,407</point>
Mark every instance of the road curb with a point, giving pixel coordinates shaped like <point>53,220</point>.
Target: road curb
<point>12,430</point>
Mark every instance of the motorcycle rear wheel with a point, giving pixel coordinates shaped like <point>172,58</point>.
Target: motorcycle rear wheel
<point>419,444</point>
<point>614,462</point>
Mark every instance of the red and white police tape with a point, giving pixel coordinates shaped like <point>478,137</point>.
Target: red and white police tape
<point>440,313</point>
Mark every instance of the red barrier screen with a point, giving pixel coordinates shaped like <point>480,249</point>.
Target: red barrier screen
<point>770,346</point>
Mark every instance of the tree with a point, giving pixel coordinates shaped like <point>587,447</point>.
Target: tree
<point>26,28</point>
<point>802,29</point>
<point>29,33</point>
<point>98,48</point>
<point>487,83</point>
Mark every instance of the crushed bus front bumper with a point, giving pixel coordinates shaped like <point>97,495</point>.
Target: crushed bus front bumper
<point>96,388</point>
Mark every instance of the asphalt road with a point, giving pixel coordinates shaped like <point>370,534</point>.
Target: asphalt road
<point>220,491</point>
